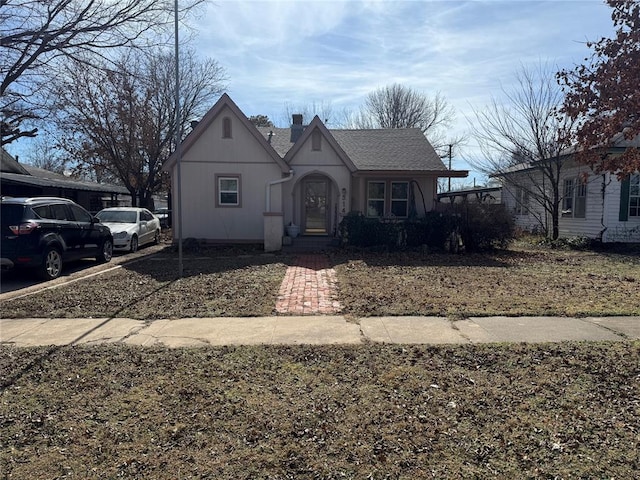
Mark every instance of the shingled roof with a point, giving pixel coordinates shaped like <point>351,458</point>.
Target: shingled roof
<point>374,149</point>
<point>389,149</point>
<point>23,174</point>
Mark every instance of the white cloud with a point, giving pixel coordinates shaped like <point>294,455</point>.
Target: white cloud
<point>298,52</point>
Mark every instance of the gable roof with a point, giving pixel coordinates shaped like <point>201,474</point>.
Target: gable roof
<point>8,164</point>
<point>210,116</point>
<point>316,123</point>
<point>372,150</point>
<point>368,150</point>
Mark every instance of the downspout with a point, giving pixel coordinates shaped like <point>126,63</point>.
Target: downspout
<point>275,182</point>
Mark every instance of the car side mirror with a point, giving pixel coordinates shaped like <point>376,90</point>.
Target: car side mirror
<point>95,220</point>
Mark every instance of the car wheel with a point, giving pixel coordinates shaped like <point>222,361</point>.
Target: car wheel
<point>51,264</point>
<point>134,244</point>
<point>106,251</point>
<point>156,238</point>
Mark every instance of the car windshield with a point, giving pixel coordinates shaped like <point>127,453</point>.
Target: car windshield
<point>117,216</point>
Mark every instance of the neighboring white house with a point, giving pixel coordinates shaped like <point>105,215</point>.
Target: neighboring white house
<point>597,206</point>
<point>240,183</point>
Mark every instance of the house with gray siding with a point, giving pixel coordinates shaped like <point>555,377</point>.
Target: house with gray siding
<point>240,183</point>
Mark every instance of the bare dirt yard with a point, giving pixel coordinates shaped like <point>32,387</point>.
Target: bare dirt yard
<point>371,411</point>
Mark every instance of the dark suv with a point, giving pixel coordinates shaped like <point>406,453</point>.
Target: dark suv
<point>42,233</point>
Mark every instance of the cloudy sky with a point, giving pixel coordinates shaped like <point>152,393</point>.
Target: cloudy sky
<point>279,53</point>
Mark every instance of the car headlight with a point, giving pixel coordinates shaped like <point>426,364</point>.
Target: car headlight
<point>120,235</point>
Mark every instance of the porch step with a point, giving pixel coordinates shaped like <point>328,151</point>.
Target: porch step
<point>310,244</point>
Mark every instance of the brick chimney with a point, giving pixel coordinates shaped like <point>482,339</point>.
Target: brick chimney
<point>296,127</point>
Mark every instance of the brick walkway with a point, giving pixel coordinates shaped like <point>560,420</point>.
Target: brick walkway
<point>309,287</point>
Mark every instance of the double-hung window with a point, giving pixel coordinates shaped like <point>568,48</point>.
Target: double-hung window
<point>375,199</point>
<point>228,190</point>
<point>400,199</point>
<point>387,198</point>
<point>634,195</point>
<point>574,200</point>
<point>522,201</point>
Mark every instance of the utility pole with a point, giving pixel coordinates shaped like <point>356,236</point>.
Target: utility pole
<point>178,140</point>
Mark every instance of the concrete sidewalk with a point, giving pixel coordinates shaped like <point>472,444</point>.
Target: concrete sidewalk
<point>314,330</point>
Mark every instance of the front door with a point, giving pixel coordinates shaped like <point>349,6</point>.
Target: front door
<point>316,208</point>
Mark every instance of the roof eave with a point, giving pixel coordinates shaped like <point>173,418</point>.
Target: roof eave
<point>209,117</point>
<point>317,123</point>
<point>431,173</point>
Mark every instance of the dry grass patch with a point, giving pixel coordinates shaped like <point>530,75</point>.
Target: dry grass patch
<point>513,282</point>
<point>212,286</point>
<point>490,411</point>
<point>239,283</point>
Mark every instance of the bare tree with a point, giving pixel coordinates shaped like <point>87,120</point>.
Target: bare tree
<point>121,121</point>
<point>524,142</point>
<point>324,110</point>
<point>37,34</point>
<point>398,106</point>
<point>45,154</point>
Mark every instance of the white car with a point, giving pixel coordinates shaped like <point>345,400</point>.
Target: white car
<point>130,227</point>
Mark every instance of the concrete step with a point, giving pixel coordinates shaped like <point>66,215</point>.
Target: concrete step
<point>310,244</point>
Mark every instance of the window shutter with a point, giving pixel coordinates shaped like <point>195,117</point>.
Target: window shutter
<point>624,199</point>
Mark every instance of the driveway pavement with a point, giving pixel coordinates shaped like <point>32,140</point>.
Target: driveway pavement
<point>314,330</point>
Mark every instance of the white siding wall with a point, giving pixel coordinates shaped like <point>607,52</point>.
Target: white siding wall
<point>533,218</point>
<point>591,225</point>
<point>602,210</point>
<point>618,231</point>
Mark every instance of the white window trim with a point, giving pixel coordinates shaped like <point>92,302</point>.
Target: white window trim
<point>387,201</point>
<point>522,201</point>
<point>384,194</point>
<point>634,181</point>
<point>406,200</point>
<point>577,184</point>
<point>220,191</point>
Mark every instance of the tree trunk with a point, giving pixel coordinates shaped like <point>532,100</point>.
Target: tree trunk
<point>555,215</point>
